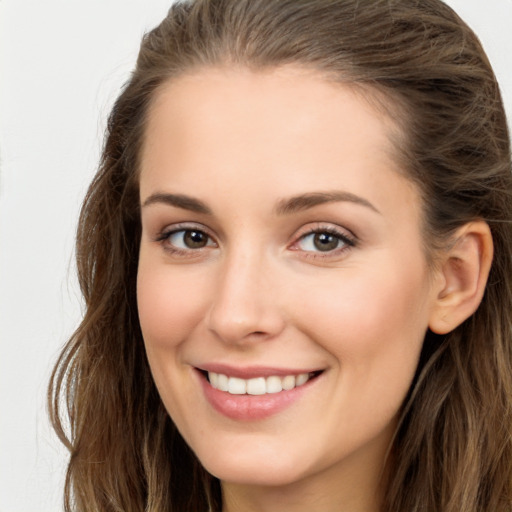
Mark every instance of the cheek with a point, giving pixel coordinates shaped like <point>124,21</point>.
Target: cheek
<point>169,304</point>
<point>169,308</point>
<point>373,323</point>
<point>376,341</point>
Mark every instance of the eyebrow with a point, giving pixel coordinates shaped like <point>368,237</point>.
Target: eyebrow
<point>179,201</point>
<point>305,201</point>
<point>284,207</point>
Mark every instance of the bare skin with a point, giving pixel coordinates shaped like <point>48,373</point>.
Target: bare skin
<point>279,239</point>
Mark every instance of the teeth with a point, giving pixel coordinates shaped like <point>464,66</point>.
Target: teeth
<point>301,379</point>
<point>222,382</point>
<point>288,382</point>
<point>237,386</point>
<point>258,385</point>
<point>274,384</point>
<point>214,380</point>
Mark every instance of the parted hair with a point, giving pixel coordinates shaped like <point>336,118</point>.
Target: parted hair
<point>452,450</point>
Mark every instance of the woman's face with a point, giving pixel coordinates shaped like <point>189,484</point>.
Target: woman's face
<point>283,291</point>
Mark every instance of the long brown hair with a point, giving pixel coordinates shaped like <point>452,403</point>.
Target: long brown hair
<point>453,448</point>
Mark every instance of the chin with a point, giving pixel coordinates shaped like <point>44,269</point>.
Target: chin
<point>250,472</point>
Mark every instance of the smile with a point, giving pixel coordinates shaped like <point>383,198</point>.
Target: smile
<point>262,394</point>
<point>258,385</point>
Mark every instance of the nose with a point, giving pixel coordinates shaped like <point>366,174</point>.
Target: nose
<point>244,307</point>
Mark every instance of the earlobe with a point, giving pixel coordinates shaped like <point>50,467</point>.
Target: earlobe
<point>464,271</point>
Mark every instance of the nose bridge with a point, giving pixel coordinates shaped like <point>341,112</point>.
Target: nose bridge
<point>243,307</point>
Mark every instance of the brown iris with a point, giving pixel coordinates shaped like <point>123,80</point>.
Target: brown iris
<point>325,242</point>
<point>195,239</point>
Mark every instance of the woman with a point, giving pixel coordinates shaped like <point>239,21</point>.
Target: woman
<point>296,262</point>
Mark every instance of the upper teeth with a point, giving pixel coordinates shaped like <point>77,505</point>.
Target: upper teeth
<point>258,385</point>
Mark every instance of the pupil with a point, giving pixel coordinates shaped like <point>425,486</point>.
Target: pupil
<point>195,239</point>
<point>325,242</point>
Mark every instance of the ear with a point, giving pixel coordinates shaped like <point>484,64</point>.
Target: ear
<point>463,273</point>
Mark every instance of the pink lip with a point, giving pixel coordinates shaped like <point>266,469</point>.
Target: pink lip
<point>251,407</point>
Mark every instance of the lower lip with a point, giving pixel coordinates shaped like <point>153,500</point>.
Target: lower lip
<point>251,407</point>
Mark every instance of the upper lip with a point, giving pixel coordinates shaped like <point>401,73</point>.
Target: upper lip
<point>250,372</point>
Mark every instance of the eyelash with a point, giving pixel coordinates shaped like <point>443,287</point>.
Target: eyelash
<point>163,239</point>
<point>347,241</point>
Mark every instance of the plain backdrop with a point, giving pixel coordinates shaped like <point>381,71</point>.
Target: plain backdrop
<point>62,63</point>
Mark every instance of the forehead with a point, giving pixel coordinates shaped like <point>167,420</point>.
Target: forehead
<point>282,132</point>
<point>270,97</point>
<point>261,104</point>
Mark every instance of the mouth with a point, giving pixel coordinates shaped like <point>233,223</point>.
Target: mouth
<point>258,385</point>
<point>256,393</point>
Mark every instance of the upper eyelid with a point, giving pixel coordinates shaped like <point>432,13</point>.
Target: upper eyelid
<point>185,226</point>
<point>319,227</point>
<point>348,242</point>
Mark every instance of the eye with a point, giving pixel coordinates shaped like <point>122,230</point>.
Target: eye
<point>189,239</point>
<point>324,241</point>
<point>186,239</point>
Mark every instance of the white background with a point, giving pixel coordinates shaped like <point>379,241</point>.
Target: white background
<point>62,63</point>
